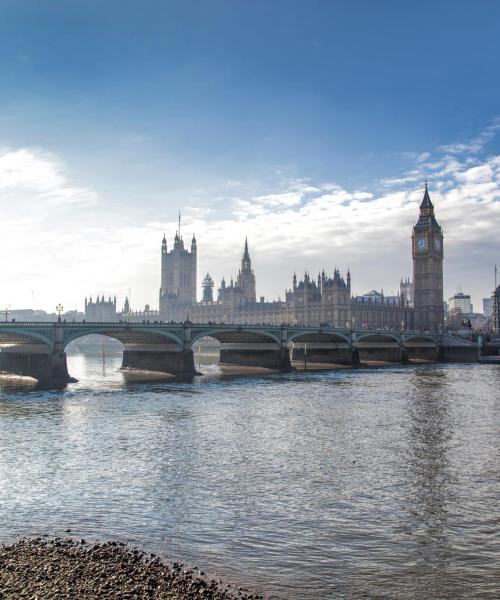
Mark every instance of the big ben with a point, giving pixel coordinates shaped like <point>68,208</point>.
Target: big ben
<point>427,250</point>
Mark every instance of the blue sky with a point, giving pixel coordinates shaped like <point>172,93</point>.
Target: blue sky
<point>253,118</point>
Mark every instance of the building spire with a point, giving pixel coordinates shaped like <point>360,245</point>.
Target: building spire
<point>246,254</point>
<point>426,202</point>
<point>179,230</point>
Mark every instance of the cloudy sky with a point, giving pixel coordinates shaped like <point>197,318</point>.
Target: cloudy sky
<point>308,126</point>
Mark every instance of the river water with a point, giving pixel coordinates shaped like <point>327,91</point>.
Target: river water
<point>380,483</point>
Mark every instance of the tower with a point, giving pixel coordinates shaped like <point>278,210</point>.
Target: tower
<point>178,277</point>
<point>427,252</point>
<point>246,277</point>
<point>496,310</point>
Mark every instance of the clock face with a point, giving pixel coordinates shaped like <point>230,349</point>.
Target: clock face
<point>421,243</point>
<point>437,244</point>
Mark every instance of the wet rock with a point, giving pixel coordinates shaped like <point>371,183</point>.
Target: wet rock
<point>64,568</point>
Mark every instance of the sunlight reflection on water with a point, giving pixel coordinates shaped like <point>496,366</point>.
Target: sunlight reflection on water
<point>363,483</point>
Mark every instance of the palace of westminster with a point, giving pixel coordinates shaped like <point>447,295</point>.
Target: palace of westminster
<point>311,300</point>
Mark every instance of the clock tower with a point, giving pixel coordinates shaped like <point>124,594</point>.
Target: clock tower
<point>427,251</point>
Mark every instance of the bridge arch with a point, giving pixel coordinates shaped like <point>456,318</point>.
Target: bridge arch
<point>419,338</point>
<point>18,335</point>
<point>128,335</point>
<point>237,335</point>
<point>319,337</point>
<point>377,338</point>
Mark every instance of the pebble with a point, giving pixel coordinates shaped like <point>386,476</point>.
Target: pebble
<point>32,568</point>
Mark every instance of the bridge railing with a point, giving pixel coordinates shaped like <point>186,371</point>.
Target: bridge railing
<point>225,325</point>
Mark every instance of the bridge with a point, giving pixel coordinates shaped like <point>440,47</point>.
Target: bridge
<point>39,349</point>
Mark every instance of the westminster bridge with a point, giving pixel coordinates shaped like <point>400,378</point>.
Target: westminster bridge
<point>38,349</point>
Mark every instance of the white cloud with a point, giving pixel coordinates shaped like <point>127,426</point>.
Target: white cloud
<point>476,144</point>
<point>480,174</point>
<point>294,225</point>
<point>33,175</point>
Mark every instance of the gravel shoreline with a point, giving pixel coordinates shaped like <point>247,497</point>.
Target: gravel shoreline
<point>53,569</point>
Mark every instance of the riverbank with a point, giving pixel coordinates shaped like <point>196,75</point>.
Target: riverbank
<point>65,568</point>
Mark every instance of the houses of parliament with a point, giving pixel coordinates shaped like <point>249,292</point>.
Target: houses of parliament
<point>325,298</point>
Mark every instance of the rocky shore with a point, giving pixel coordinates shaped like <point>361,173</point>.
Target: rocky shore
<point>53,569</point>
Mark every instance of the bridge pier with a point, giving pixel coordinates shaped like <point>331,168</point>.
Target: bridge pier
<point>274,359</point>
<point>427,354</point>
<point>458,354</point>
<point>45,366</point>
<point>324,355</point>
<point>391,355</point>
<point>178,364</point>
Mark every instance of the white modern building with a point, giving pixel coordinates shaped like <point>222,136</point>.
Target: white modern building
<point>460,304</point>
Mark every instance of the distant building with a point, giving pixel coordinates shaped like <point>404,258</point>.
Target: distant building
<point>100,309</point>
<point>488,307</point>
<point>459,304</point>
<point>30,315</point>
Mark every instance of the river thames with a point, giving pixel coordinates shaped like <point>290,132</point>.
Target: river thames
<point>366,483</point>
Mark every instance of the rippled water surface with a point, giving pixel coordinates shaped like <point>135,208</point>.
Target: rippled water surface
<point>379,483</point>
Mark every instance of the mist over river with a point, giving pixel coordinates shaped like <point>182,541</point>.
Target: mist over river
<point>363,483</point>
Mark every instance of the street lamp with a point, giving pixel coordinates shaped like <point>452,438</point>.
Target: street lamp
<point>6,313</point>
<point>59,309</point>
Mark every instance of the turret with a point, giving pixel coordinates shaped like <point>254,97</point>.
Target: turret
<point>193,244</point>
<point>208,285</point>
<point>164,244</point>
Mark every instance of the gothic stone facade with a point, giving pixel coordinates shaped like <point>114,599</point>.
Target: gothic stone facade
<point>178,279</point>
<point>427,250</point>
<point>326,299</point>
<point>236,302</point>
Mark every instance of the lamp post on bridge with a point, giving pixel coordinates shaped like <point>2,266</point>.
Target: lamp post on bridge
<point>353,322</point>
<point>6,313</point>
<point>59,309</point>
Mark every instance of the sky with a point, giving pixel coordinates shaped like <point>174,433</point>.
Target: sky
<point>308,126</point>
